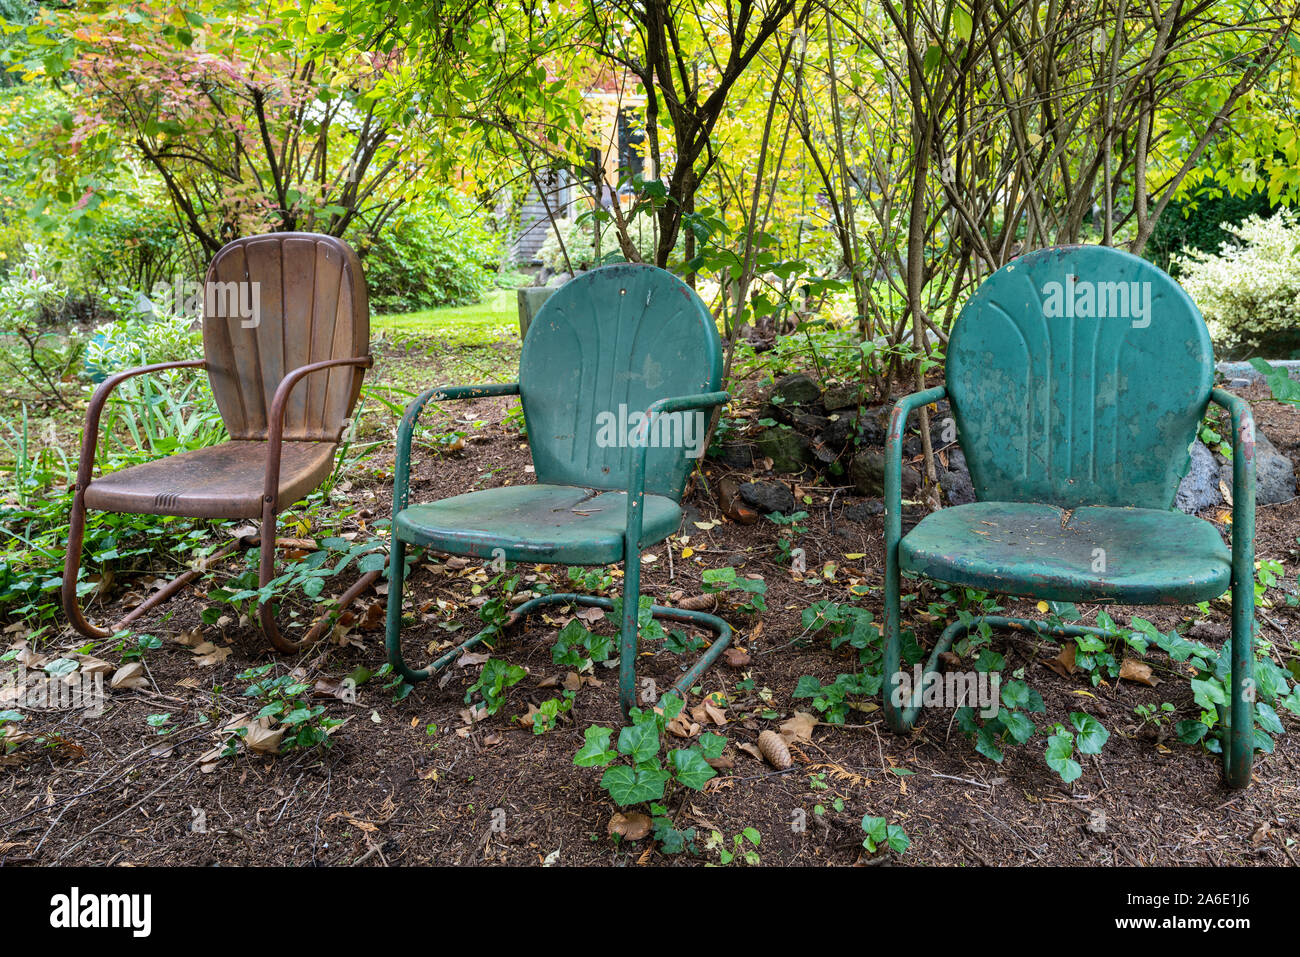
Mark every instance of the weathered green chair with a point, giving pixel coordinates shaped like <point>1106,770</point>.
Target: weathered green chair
<point>1077,378</point>
<point>609,366</point>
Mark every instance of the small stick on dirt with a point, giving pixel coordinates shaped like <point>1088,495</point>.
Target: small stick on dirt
<point>970,850</point>
<point>949,777</point>
<point>91,833</point>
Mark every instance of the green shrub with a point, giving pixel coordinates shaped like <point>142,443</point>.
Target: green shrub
<point>580,242</point>
<point>440,255</point>
<point>1199,224</point>
<point>1250,292</point>
<point>134,245</point>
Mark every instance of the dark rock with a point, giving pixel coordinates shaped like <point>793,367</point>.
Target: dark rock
<point>861,511</point>
<point>790,451</point>
<point>848,428</point>
<point>797,389</point>
<point>735,456</point>
<point>840,429</point>
<point>1274,473</point>
<point>875,426</point>
<point>867,472</point>
<point>690,515</point>
<point>955,479</point>
<point>768,497</point>
<point>730,503</point>
<point>797,416</point>
<point>1200,486</point>
<point>841,395</point>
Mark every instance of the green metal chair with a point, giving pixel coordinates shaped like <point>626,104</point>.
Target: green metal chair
<point>1077,378</point>
<point>609,365</point>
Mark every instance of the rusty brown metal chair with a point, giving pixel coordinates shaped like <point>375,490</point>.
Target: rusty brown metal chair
<point>286,334</point>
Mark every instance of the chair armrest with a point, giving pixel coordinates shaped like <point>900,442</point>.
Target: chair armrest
<point>636,480</point>
<point>1241,703</point>
<point>275,419</point>
<point>94,411</point>
<point>894,461</point>
<point>405,431</point>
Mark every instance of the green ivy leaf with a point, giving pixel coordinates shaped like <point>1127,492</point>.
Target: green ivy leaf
<point>1092,736</point>
<point>634,785</point>
<point>712,744</point>
<point>596,752</point>
<point>690,768</point>
<point>1058,755</point>
<point>1208,693</point>
<point>640,742</point>
<point>1019,728</point>
<point>986,742</point>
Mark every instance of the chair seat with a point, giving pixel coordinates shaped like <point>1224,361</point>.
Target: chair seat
<point>563,524</point>
<point>1146,556</point>
<point>222,481</point>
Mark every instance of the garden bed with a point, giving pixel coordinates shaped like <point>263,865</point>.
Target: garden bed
<point>113,789</point>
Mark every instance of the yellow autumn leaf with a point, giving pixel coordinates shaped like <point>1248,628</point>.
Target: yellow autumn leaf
<point>854,556</point>
<point>1043,607</point>
<point>687,552</point>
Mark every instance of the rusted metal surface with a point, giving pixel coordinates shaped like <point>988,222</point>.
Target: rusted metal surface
<point>630,342</point>
<point>1068,409</point>
<point>1076,420</point>
<point>286,376</point>
<point>1136,555</point>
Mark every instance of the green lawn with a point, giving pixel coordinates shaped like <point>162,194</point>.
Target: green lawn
<point>493,320</point>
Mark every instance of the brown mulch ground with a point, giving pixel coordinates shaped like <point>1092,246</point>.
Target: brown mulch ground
<point>110,790</point>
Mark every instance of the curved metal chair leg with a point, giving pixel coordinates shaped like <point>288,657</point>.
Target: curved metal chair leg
<point>71,566</point>
<point>627,653</point>
<point>266,610</point>
<point>1238,752</point>
<point>266,616</point>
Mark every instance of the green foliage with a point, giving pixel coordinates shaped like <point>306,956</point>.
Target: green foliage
<point>31,353</point>
<point>833,700</point>
<point>307,576</point>
<point>642,773</point>
<point>1280,383</point>
<point>577,647</point>
<point>287,704</point>
<point>580,243</point>
<point>882,834</point>
<point>742,847</point>
<point>442,255</point>
<point>548,712</point>
<point>856,628</point>
<point>1198,223</point>
<point>495,678</point>
<point>753,590</point>
<point>1249,292</point>
<point>33,469</point>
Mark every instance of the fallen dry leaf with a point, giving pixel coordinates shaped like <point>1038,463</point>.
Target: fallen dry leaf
<point>1063,663</point>
<point>750,749</point>
<point>682,727</point>
<point>1140,672</point>
<point>798,730</point>
<point>214,657</point>
<point>631,827</point>
<point>736,657</point>
<point>129,676</point>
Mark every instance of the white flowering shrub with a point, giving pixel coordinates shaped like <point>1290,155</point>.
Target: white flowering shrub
<point>1250,291</point>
